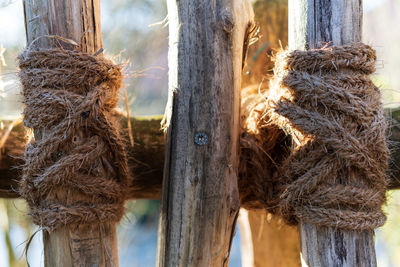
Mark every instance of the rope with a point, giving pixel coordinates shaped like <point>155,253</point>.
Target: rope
<point>325,101</point>
<point>75,170</point>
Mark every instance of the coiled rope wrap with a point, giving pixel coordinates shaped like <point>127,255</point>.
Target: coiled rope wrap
<point>335,174</point>
<point>70,98</point>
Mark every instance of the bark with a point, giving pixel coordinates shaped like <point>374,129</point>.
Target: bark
<point>200,203</point>
<point>73,22</point>
<point>312,23</point>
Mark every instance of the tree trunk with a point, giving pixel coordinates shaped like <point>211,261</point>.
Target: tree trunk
<point>73,22</point>
<point>200,203</point>
<point>311,24</point>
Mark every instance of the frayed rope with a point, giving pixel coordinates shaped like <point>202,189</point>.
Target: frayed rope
<point>76,168</point>
<point>334,172</point>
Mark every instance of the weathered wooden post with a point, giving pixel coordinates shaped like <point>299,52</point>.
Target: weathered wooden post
<point>200,203</point>
<point>81,245</point>
<point>312,23</point>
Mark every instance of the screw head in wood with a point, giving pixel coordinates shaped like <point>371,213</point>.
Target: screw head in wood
<point>201,139</point>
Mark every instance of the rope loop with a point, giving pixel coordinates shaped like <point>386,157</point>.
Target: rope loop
<point>325,101</point>
<point>76,169</point>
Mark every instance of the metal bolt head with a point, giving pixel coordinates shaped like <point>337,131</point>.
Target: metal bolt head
<point>201,139</point>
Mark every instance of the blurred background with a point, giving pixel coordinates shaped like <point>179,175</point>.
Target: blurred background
<point>136,32</point>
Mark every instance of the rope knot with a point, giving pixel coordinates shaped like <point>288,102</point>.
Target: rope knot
<point>76,169</point>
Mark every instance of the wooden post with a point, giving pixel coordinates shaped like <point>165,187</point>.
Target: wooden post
<point>311,23</point>
<point>200,203</point>
<point>79,21</point>
<point>265,240</point>
<point>272,242</point>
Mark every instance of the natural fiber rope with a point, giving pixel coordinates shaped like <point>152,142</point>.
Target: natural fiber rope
<point>70,98</point>
<point>262,147</point>
<point>335,174</point>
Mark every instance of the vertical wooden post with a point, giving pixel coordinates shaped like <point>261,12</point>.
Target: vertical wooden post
<point>273,243</point>
<point>200,203</point>
<point>79,21</point>
<point>310,24</point>
<point>246,239</point>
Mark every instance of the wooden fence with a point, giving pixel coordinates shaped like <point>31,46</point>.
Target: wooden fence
<point>197,179</point>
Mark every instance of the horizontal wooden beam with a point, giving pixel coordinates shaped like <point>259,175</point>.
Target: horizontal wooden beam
<point>146,158</point>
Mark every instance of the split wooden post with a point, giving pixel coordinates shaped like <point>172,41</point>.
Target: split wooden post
<point>312,23</point>
<point>200,203</point>
<point>79,21</point>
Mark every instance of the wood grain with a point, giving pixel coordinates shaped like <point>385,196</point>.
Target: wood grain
<point>314,23</point>
<point>323,246</point>
<point>311,24</point>
<point>200,202</point>
<point>65,24</point>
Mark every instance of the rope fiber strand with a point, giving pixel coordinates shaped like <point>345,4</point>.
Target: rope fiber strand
<point>69,99</point>
<point>325,101</point>
<point>313,144</point>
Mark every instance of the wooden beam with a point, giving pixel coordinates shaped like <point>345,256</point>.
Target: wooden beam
<point>73,21</point>
<point>147,157</point>
<point>200,202</point>
<point>312,23</point>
